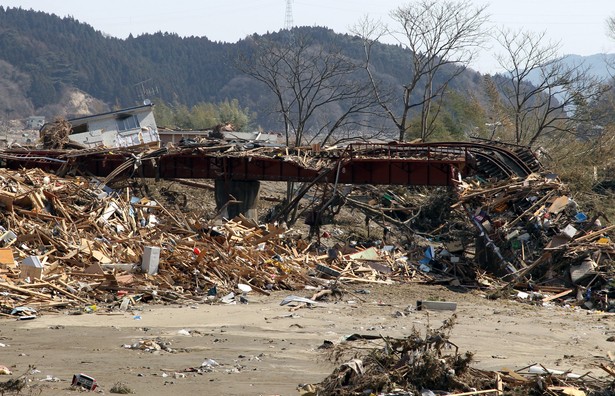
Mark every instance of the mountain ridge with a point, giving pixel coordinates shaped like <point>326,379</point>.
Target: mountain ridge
<point>44,59</point>
<point>43,55</point>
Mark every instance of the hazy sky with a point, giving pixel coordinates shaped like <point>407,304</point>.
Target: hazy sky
<point>578,24</point>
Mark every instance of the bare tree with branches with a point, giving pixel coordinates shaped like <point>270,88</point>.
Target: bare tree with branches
<point>442,38</point>
<point>318,91</point>
<point>609,59</point>
<point>543,94</point>
<point>610,27</point>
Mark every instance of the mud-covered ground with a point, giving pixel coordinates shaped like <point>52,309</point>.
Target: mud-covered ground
<point>262,348</point>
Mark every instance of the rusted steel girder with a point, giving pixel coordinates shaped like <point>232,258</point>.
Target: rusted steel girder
<point>192,164</point>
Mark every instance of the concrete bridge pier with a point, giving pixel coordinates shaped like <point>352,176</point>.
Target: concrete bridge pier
<point>245,194</point>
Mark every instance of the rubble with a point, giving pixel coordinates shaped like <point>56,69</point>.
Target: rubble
<point>151,345</point>
<point>532,234</point>
<point>68,242</point>
<point>519,234</point>
<point>74,242</point>
<point>431,364</point>
<point>55,135</point>
<point>85,242</point>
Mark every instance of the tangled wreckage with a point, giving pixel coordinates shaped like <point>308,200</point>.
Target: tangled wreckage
<point>494,219</point>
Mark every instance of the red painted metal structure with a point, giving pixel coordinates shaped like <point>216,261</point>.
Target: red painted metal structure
<point>438,164</point>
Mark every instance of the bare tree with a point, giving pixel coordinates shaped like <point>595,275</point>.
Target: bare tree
<point>543,94</point>
<point>609,60</point>
<point>318,91</point>
<point>610,27</point>
<point>441,38</point>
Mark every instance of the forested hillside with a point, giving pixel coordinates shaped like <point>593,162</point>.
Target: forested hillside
<point>42,54</point>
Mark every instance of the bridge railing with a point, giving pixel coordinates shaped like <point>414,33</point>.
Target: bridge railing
<point>422,151</point>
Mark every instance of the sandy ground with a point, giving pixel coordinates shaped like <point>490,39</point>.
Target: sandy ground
<point>264,349</point>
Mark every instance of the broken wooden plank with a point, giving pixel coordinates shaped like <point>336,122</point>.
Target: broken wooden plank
<point>436,305</point>
<point>481,392</point>
<point>558,295</point>
<point>25,291</point>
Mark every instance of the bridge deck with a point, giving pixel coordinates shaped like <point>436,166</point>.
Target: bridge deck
<point>438,164</point>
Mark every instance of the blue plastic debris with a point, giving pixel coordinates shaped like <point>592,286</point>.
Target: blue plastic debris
<point>430,254</point>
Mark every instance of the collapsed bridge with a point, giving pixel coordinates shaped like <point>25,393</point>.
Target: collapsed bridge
<point>237,169</point>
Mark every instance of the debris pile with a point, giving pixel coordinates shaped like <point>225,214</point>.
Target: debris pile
<point>523,237</point>
<point>54,135</point>
<point>67,242</point>
<point>409,364</point>
<point>432,365</point>
<point>75,242</point>
<point>533,234</point>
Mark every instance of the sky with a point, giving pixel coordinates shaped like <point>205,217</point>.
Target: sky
<point>578,25</point>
